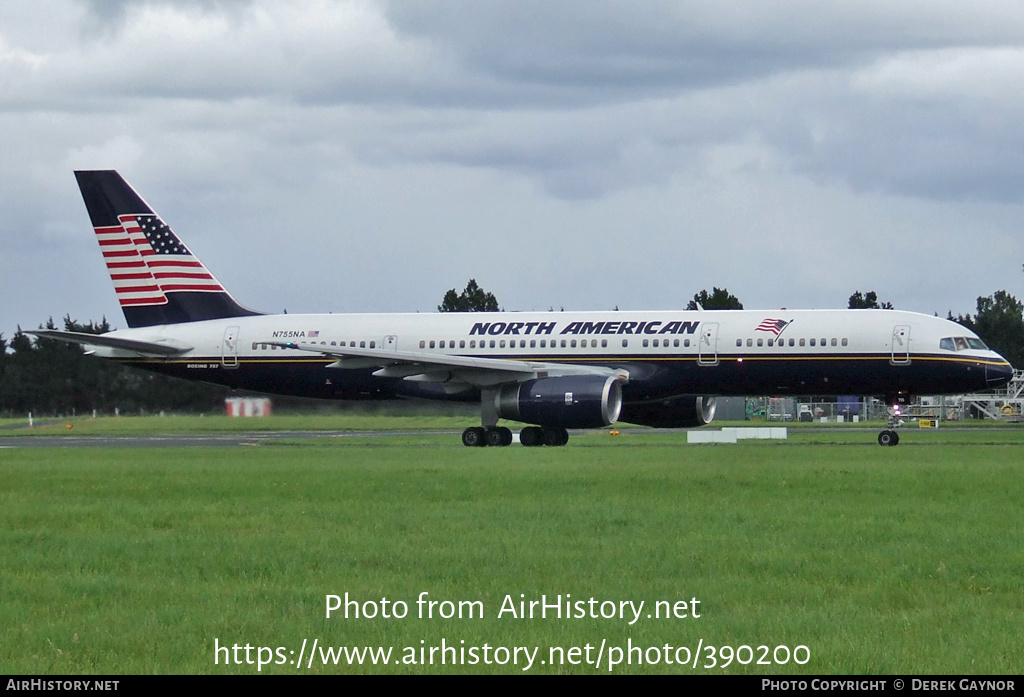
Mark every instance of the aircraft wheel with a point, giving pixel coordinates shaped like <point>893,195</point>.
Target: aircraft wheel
<point>531,436</point>
<point>888,438</point>
<point>555,436</point>
<point>473,437</point>
<point>499,436</point>
<point>895,437</point>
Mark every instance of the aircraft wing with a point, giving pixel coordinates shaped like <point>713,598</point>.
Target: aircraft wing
<point>456,372</point>
<point>162,348</point>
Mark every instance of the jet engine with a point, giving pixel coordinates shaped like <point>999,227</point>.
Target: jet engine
<point>678,412</point>
<point>572,401</point>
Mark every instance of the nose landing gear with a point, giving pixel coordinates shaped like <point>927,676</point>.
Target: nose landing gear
<point>889,437</point>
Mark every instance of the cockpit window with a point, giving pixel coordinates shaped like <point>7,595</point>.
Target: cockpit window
<point>962,343</point>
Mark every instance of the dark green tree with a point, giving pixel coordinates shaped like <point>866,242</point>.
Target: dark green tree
<point>859,301</point>
<point>52,377</point>
<point>1000,324</point>
<point>473,299</point>
<point>719,299</point>
<point>3,371</point>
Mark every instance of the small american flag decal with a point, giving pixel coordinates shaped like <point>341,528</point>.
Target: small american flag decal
<point>775,326</point>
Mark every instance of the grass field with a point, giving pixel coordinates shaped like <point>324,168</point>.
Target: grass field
<point>878,560</point>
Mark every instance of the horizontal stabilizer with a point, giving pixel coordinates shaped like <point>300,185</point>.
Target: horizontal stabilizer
<point>161,348</point>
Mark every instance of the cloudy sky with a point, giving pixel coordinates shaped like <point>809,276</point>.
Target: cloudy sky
<point>368,155</point>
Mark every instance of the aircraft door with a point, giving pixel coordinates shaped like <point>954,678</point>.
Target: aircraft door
<point>707,351</point>
<point>229,348</point>
<point>901,344</point>
<point>391,342</point>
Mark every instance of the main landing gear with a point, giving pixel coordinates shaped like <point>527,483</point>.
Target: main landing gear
<point>530,436</point>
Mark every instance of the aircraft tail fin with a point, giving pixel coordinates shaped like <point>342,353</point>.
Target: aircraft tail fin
<point>156,278</point>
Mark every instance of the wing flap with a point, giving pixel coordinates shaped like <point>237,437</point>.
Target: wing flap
<point>420,366</point>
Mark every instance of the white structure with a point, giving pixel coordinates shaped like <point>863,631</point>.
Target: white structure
<point>731,435</point>
<point>247,406</point>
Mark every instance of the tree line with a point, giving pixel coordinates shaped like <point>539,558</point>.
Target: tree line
<point>50,377</point>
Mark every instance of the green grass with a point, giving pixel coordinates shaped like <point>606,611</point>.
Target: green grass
<point>880,560</point>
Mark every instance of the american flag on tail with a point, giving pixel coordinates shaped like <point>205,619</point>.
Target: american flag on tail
<point>146,260</point>
<point>775,326</point>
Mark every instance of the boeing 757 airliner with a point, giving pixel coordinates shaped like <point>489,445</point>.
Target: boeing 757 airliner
<point>554,371</point>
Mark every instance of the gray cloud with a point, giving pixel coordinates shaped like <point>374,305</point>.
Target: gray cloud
<point>369,155</point>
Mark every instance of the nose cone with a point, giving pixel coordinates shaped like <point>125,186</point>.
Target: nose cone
<point>998,374</point>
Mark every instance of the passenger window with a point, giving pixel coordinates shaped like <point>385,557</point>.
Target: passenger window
<point>812,342</point>
<point>750,342</point>
<point>492,343</point>
<point>563,343</point>
<point>462,343</point>
<point>739,342</point>
<point>675,342</point>
<point>572,344</point>
<point>625,343</point>
<point>501,344</point>
<point>845,342</point>
<point>823,342</point>
<point>791,342</point>
<point>771,342</point>
<point>834,342</point>
<point>802,342</point>
<point>655,343</point>
<point>604,343</point>
<point>760,342</point>
<point>543,343</point>
<point>432,344</point>
<point>254,346</point>
<point>373,344</point>
<point>686,343</point>
<point>645,343</point>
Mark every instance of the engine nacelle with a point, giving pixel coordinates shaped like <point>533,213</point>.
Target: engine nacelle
<point>678,412</point>
<point>572,401</point>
